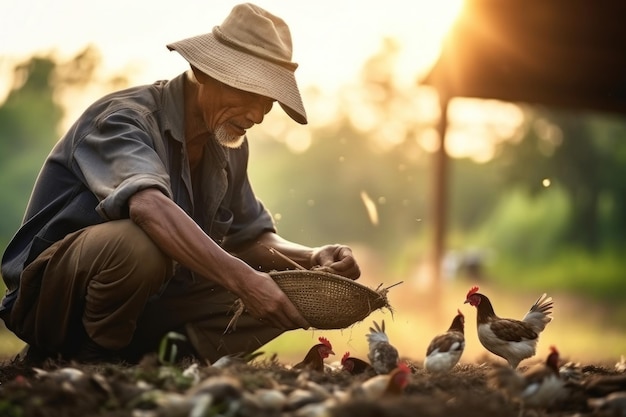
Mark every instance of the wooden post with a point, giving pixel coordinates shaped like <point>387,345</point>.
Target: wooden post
<point>440,197</point>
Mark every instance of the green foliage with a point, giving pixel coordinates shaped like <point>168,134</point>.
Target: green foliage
<point>475,191</point>
<point>595,276</point>
<point>584,154</point>
<point>529,229</point>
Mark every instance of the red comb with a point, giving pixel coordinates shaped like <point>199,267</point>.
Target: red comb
<point>345,356</point>
<point>326,342</point>
<point>403,367</point>
<point>473,290</point>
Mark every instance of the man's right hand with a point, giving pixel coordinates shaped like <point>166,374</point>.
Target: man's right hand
<point>264,300</point>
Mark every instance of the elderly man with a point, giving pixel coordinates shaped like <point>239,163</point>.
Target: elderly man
<point>143,221</point>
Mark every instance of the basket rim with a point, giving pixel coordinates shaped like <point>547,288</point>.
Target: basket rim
<point>324,274</point>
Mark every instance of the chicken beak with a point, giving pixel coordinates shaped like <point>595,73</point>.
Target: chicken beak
<point>331,353</point>
<point>466,301</point>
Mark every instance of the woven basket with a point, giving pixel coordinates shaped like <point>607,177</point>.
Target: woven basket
<point>329,301</point>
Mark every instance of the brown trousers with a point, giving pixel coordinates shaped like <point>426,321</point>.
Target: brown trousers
<point>110,282</point>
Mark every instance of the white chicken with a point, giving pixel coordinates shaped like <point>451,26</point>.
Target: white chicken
<point>445,350</point>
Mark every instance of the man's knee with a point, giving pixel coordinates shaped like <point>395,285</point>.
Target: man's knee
<point>126,246</point>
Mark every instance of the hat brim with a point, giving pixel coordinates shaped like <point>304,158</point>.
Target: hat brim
<point>243,71</point>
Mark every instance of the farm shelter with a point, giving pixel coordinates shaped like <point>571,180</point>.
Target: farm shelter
<point>558,53</point>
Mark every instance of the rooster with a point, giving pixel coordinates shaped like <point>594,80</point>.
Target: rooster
<point>513,340</point>
<point>354,365</point>
<point>382,355</point>
<point>314,359</point>
<point>446,349</point>
<point>388,385</point>
<point>538,387</point>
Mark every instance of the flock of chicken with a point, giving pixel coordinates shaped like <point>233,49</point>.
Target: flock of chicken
<point>514,340</point>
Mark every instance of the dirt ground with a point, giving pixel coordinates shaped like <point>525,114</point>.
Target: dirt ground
<point>267,388</point>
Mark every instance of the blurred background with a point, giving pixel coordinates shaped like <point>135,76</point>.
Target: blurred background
<point>448,146</point>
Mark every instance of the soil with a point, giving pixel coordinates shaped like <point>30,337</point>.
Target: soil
<point>266,387</point>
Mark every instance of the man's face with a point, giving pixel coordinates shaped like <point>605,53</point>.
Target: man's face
<point>229,112</point>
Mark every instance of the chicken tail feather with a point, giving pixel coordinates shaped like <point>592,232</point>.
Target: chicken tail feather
<point>539,314</point>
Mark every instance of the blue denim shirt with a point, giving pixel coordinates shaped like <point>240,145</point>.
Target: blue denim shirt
<point>123,143</point>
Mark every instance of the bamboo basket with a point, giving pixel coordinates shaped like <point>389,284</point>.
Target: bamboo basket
<point>330,301</point>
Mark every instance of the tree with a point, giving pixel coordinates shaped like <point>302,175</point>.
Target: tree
<point>580,152</point>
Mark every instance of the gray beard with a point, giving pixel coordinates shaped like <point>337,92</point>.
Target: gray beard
<point>227,140</point>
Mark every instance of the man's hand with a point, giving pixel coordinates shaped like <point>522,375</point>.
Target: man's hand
<point>265,301</point>
<point>337,259</point>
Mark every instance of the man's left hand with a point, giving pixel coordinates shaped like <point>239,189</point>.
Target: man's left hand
<point>336,259</point>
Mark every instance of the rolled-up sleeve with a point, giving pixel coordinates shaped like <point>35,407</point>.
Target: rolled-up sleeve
<point>117,159</point>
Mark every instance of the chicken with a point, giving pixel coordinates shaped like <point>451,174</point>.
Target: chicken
<point>538,387</point>
<point>445,350</point>
<point>382,355</point>
<point>354,365</point>
<point>387,385</point>
<point>513,340</point>
<point>314,359</point>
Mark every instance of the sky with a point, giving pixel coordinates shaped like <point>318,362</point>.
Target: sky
<point>332,38</point>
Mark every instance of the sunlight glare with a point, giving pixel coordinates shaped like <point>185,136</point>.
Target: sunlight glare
<point>421,42</point>
<point>477,126</point>
<point>429,140</point>
<point>469,142</point>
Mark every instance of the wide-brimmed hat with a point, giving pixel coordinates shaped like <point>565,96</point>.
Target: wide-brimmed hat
<point>251,51</point>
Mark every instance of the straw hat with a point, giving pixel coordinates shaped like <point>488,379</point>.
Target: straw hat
<point>251,51</point>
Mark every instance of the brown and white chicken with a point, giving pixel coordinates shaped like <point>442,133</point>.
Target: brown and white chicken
<point>392,384</point>
<point>540,386</point>
<point>513,340</point>
<point>445,350</point>
<point>314,359</point>
<point>354,365</point>
<point>382,355</point>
